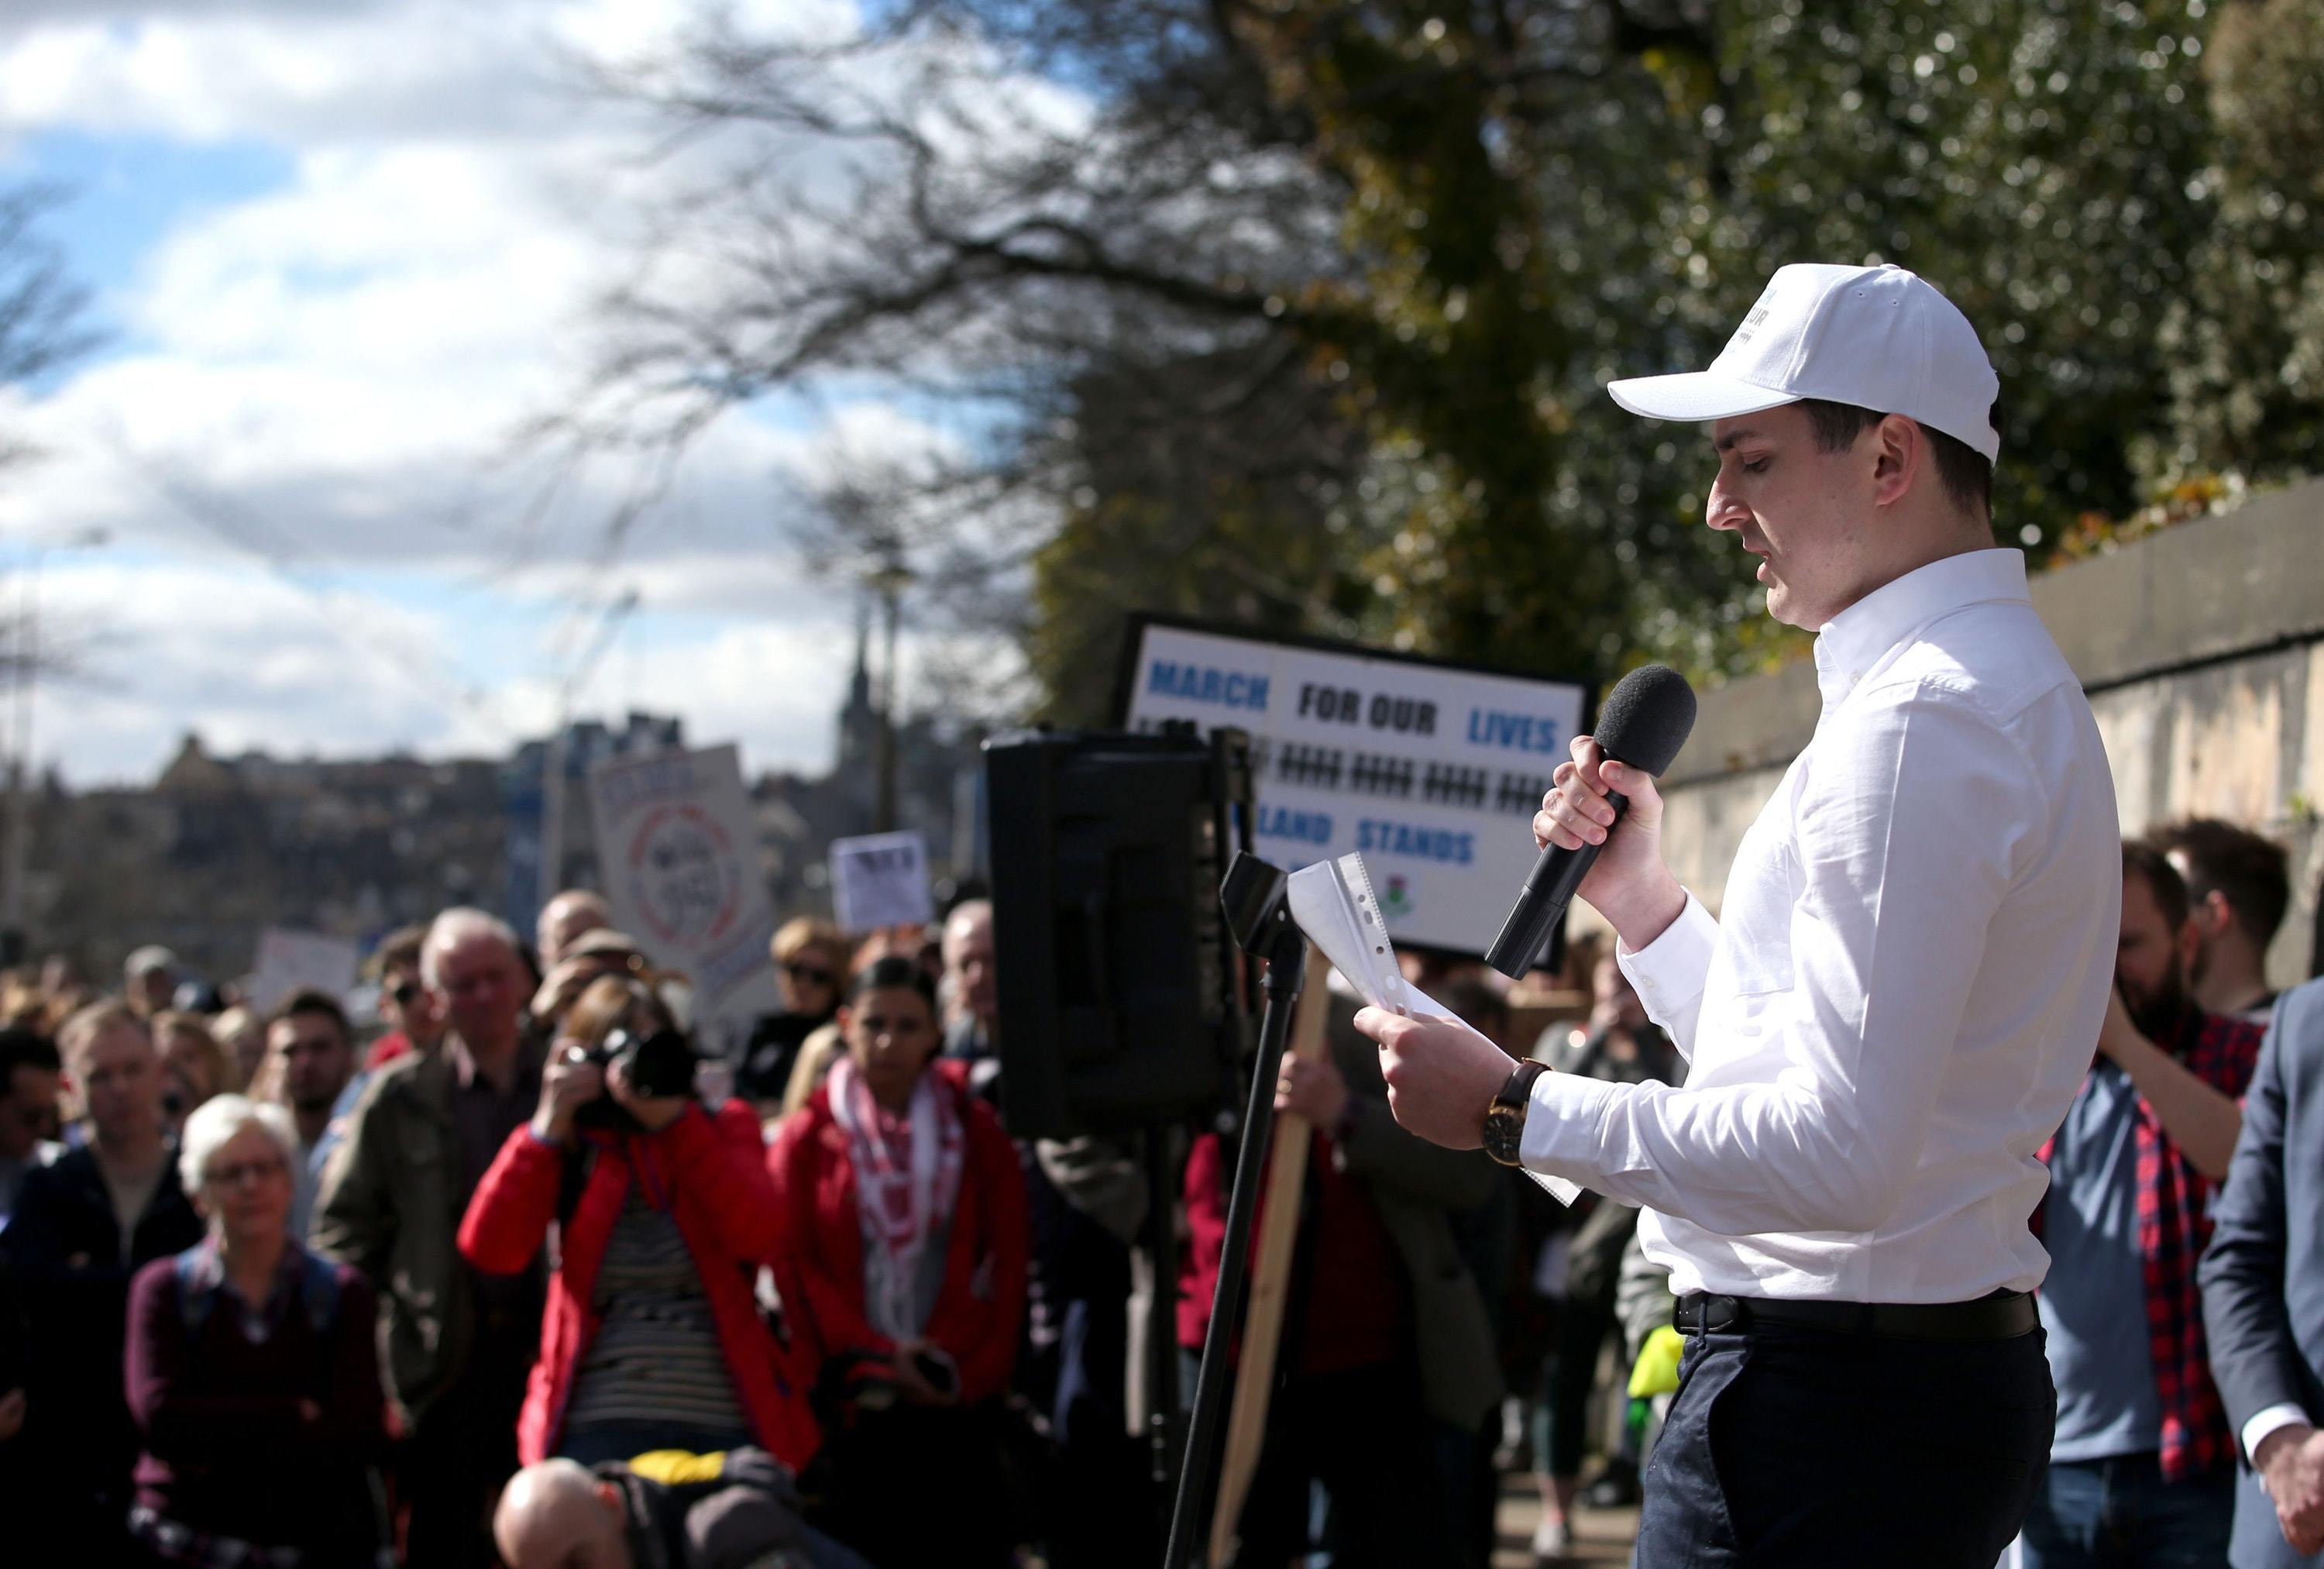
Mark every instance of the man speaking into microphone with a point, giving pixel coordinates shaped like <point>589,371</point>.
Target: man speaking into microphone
<point>1899,999</point>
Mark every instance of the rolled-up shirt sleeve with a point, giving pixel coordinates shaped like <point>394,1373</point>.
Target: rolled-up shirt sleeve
<point>1907,829</point>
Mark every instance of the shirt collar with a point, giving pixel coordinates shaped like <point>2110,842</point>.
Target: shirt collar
<point>467,1076</point>
<point>206,1273</point>
<point>1854,642</point>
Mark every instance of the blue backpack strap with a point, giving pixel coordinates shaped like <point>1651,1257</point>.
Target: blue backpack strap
<point>195,1293</point>
<point>320,1289</point>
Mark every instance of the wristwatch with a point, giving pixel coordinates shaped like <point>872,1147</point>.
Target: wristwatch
<point>1505,1119</point>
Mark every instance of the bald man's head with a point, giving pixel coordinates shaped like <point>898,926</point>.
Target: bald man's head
<point>968,962</point>
<point>557,1515</point>
<point>565,918</point>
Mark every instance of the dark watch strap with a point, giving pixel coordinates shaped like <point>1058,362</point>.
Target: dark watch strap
<point>1505,1119</point>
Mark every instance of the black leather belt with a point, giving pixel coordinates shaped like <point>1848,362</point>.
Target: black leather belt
<point>2004,1315</point>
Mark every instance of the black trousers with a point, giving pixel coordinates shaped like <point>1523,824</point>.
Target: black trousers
<point>1800,1448</point>
<point>450,1470</point>
<point>919,1484</point>
<point>1363,1436</point>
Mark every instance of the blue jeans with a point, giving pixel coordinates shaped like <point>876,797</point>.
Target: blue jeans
<point>2119,1513</point>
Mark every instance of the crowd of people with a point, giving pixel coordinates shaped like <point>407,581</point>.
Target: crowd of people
<point>512,1281</point>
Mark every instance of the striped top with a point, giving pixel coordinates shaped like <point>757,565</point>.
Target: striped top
<point>655,1357</point>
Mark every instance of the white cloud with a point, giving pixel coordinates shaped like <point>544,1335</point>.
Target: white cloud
<point>250,661</point>
<point>327,373</point>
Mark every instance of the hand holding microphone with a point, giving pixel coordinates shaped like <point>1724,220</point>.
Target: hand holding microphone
<point>1609,785</point>
<point>1581,813</point>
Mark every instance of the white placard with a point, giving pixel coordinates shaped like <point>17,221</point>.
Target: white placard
<point>880,880</point>
<point>678,850</point>
<point>289,961</point>
<point>1433,773</point>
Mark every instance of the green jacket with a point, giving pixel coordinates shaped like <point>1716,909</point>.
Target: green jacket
<point>390,1204</point>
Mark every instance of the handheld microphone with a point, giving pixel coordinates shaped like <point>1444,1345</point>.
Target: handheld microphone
<point>1644,723</point>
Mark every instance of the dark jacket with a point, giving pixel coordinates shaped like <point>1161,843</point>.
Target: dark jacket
<point>1417,1187</point>
<point>66,1476</point>
<point>735,1510</point>
<point>2263,1275</point>
<point>228,1452</point>
<point>389,1203</point>
<point>67,1251</point>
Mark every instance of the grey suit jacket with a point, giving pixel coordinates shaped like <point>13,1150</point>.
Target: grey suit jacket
<point>2263,1275</point>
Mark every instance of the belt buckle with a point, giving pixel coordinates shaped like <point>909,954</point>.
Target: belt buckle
<point>1713,1313</point>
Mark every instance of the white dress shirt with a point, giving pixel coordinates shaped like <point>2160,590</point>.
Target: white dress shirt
<point>1907,989</point>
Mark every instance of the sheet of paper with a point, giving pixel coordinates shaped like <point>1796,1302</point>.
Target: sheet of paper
<point>1332,902</point>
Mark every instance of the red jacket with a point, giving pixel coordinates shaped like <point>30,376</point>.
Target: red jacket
<point>981,1304</point>
<point>720,1198</point>
<point>1357,1298</point>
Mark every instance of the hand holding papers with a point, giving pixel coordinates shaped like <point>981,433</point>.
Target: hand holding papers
<point>1335,905</point>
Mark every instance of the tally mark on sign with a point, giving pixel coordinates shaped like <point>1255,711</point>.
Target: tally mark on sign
<point>1381,776</point>
<point>1393,777</point>
<point>1454,785</point>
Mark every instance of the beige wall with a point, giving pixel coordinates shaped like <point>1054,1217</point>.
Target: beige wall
<point>2202,648</point>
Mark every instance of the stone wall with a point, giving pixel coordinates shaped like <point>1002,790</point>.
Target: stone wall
<point>2202,650</point>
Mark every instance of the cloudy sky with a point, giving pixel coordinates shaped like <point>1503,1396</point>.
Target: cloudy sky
<point>340,252</point>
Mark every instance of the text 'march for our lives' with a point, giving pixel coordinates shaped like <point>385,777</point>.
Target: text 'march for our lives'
<point>1433,771</point>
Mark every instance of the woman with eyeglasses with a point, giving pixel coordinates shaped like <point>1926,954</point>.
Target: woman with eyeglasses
<point>810,969</point>
<point>252,1369</point>
<point>650,1338</point>
<point>903,1225</point>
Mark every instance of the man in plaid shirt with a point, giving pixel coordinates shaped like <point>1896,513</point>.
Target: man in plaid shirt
<point>2142,1467</point>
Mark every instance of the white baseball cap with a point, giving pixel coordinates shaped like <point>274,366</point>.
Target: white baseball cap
<point>1879,337</point>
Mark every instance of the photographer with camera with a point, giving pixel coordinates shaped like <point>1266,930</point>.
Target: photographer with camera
<point>650,1338</point>
<point>903,1216</point>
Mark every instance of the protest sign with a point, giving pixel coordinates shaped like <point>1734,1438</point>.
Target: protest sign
<point>1433,770</point>
<point>289,961</point>
<point>680,853</point>
<point>880,880</point>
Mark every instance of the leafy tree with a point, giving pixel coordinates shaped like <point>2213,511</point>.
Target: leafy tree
<point>2246,342</point>
<point>1301,313</point>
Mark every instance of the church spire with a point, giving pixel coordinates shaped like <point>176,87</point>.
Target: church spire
<point>859,721</point>
<point>859,689</point>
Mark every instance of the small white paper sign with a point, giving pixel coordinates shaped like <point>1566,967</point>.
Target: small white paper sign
<point>880,880</point>
<point>290,960</point>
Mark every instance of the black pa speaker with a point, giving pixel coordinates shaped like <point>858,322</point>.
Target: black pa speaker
<point>1118,1007</point>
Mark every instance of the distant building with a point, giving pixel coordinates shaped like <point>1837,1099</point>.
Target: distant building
<point>939,775</point>
<point>220,848</point>
<point>535,811</point>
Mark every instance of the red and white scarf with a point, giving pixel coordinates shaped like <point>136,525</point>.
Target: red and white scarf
<point>906,1179</point>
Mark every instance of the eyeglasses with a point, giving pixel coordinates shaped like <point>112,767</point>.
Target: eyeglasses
<point>242,1171</point>
<point>405,993</point>
<point>813,974</point>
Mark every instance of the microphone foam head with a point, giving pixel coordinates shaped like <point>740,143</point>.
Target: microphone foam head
<point>1646,718</point>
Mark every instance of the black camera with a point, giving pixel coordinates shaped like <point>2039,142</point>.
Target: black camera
<point>658,1064</point>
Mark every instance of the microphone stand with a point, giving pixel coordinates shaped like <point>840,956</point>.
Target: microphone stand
<point>1263,926</point>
